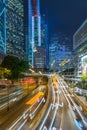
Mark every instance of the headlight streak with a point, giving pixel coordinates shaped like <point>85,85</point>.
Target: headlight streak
<point>75,106</point>
<point>54,105</point>
<point>36,108</point>
<point>42,125</point>
<point>53,94</point>
<point>55,111</point>
<point>25,115</point>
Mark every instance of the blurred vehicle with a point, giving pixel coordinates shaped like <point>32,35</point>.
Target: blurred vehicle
<point>37,97</point>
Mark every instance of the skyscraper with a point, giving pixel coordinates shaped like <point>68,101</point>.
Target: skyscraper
<point>59,50</point>
<point>2,29</point>
<point>34,28</point>
<point>44,38</point>
<point>15,28</point>
<point>80,49</point>
<point>40,58</point>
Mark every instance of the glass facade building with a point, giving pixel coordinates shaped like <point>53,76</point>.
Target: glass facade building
<point>80,49</point>
<point>2,29</point>
<point>34,28</point>
<point>15,40</point>
<point>40,58</point>
<point>59,51</point>
<point>44,38</point>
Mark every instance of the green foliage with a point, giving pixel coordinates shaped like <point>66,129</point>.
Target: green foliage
<point>84,81</point>
<point>15,65</point>
<point>24,66</point>
<point>10,62</point>
<point>84,77</point>
<point>4,72</point>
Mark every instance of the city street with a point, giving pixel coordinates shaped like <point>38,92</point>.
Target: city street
<point>43,64</point>
<point>63,119</point>
<point>8,117</point>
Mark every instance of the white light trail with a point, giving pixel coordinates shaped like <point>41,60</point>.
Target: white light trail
<point>42,125</point>
<point>51,124</point>
<point>54,115</point>
<point>22,125</point>
<point>21,116</point>
<point>37,107</point>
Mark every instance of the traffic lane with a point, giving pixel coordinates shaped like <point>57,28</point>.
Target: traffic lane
<point>52,111</point>
<point>10,102</point>
<point>24,117</point>
<point>9,96</point>
<point>80,124</point>
<point>57,121</point>
<point>17,114</point>
<point>67,113</point>
<point>14,97</point>
<point>7,117</point>
<point>29,124</point>
<point>67,122</point>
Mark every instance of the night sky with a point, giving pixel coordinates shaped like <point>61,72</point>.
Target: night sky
<point>64,15</point>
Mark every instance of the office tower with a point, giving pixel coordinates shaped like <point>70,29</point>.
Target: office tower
<point>52,54</point>
<point>40,58</point>
<point>44,38</point>
<point>59,51</point>
<point>2,29</point>
<point>80,49</point>
<point>15,28</point>
<point>34,28</point>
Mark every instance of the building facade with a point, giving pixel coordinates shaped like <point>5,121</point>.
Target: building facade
<point>44,38</point>
<point>40,58</point>
<point>59,51</point>
<point>15,39</point>
<point>80,49</point>
<point>2,29</point>
<point>52,53</point>
<point>34,29</point>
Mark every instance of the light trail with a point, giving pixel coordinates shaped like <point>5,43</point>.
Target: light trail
<point>37,107</point>
<point>55,112</point>
<point>54,115</point>
<point>75,106</point>
<point>22,125</point>
<point>42,125</point>
<point>19,119</point>
<point>53,94</point>
<point>64,93</point>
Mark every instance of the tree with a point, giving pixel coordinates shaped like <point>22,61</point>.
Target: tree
<point>4,72</point>
<point>84,80</point>
<point>16,66</point>
<point>24,66</point>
